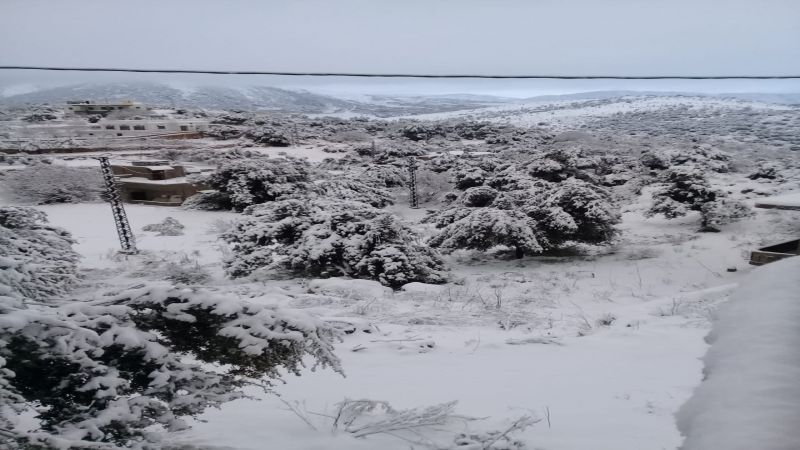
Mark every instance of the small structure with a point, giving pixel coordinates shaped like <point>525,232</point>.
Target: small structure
<point>774,252</point>
<point>153,182</point>
<point>101,108</point>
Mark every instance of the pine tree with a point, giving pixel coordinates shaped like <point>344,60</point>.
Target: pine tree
<point>322,237</point>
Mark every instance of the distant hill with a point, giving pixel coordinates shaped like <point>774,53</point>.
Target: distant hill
<point>252,98</point>
<point>265,98</point>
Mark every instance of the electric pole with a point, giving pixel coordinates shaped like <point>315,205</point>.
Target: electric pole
<point>412,182</point>
<point>126,239</point>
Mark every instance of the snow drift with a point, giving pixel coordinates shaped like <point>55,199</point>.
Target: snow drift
<point>751,390</point>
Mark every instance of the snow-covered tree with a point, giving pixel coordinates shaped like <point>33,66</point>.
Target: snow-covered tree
<point>553,213</point>
<point>244,182</point>
<point>36,259</point>
<point>561,164</point>
<point>572,210</point>
<point>325,238</point>
<point>109,372</point>
<point>686,188</point>
<point>43,184</point>
<point>352,189</point>
<point>485,228</point>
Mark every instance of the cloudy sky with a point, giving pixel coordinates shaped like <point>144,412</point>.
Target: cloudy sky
<point>569,37</point>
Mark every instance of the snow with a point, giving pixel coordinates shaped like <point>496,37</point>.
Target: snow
<point>612,387</point>
<point>750,397</point>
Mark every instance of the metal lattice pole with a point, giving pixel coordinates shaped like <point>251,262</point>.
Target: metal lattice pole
<point>412,182</point>
<point>126,239</point>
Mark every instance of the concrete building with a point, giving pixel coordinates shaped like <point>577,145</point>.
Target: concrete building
<point>145,128</point>
<point>153,182</point>
<point>102,108</point>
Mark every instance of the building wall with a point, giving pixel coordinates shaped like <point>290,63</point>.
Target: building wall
<point>148,172</point>
<point>168,194</point>
<point>123,128</point>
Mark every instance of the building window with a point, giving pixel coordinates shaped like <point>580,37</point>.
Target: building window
<point>124,127</point>
<point>109,127</point>
<point>161,127</point>
<point>138,127</point>
<point>119,134</point>
<point>184,128</point>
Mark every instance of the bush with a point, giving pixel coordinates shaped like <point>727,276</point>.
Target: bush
<point>684,189</point>
<point>44,184</point>
<point>168,227</point>
<point>36,259</point>
<point>328,238</point>
<point>244,182</point>
<point>484,228</point>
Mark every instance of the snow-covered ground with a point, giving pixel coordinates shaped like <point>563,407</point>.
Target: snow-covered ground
<point>603,349</point>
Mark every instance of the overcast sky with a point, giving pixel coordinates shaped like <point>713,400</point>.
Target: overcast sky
<point>571,37</point>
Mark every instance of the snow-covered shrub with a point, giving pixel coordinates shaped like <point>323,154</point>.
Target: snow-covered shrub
<point>721,212</point>
<point>110,372</point>
<point>655,160</point>
<point>208,200</point>
<point>326,238</point>
<point>268,136</point>
<point>36,259</point>
<point>43,184</point>
<point>701,156</point>
<point>168,227</point>
<point>684,189</point>
<point>767,171</point>
<point>186,272</point>
<point>558,165</point>
<point>421,132</point>
<point>245,182</point>
<point>352,189</point>
<point>485,228</point>
<point>468,177</point>
<point>479,196</point>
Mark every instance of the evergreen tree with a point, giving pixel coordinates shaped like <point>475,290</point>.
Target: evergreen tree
<point>325,238</point>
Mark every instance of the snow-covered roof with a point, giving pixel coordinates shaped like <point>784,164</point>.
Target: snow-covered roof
<point>787,201</point>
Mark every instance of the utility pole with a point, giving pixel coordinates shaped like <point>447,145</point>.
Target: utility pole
<point>412,182</point>
<point>126,239</point>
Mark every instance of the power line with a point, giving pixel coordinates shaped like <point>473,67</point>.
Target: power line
<point>407,75</point>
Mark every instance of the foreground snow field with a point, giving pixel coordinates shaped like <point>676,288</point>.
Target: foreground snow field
<point>603,349</point>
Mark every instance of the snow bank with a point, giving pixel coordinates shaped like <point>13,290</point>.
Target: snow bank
<point>750,398</point>
<point>349,288</point>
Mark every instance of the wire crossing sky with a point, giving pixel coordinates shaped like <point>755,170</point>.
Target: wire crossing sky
<point>404,75</point>
<point>503,37</point>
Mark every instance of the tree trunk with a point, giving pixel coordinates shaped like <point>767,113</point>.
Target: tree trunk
<point>520,253</point>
